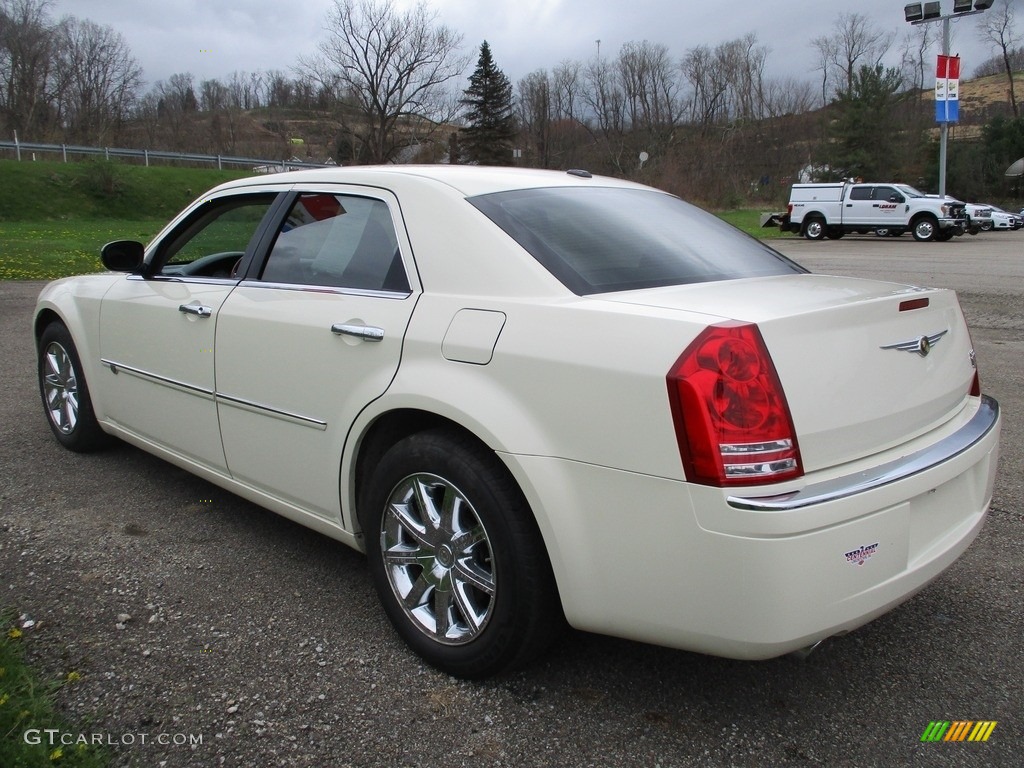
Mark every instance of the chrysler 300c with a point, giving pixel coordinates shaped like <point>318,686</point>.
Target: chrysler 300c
<point>538,397</point>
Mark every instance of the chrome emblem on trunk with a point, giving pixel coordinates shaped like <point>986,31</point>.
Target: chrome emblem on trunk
<point>922,345</point>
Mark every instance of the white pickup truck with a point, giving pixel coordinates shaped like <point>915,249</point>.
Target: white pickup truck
<point>835,209</point>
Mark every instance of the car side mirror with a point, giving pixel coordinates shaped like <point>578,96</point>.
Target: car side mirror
<point>123,256</point>
<point>894,198</point>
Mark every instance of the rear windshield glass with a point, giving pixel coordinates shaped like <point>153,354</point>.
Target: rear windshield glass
<point>605,239</point>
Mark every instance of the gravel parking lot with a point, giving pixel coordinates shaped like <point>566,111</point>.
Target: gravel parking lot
<point>209,632</point>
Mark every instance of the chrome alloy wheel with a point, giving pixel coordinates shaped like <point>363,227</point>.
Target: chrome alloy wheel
<point>60,388</point>
<point>438,560</point>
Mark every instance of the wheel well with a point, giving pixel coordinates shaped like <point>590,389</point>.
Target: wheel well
<point>45,317</point>
<point>392,427</point>
<point>812,216</point>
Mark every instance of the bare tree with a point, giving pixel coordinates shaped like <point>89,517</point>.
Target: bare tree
<point>998,28</point>
<point>98,78</point>
<point>26,64</point>
<point>393,69</point>
<point>855,42</point>
<point>534,111</point>
<point>914,55</point>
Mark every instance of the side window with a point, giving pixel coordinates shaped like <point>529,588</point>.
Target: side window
<point>884,193</point>
<point>341,241</point>
<point>860,193</point>
<point>213,240</point>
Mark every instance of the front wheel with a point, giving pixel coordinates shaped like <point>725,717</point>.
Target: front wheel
<point>925,229</point>
<point>65,394</point>
<point>456,556</point>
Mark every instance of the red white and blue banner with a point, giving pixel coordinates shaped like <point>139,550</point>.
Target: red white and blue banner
<point>947,89</point>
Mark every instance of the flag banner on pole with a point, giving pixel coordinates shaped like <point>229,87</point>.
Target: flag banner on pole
<point>947,89</point>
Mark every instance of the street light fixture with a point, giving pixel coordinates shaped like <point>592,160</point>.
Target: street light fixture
<point>922,13</point>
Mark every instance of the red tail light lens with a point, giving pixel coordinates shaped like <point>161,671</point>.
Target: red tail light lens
<point>731,418</point>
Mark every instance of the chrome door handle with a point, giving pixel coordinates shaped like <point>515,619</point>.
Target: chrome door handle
<point>365,332</point>
<point>195,309</point>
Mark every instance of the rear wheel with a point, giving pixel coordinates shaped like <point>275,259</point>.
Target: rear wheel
<point>456,556</point>
<point>65,393</point>
<point>814,229</point>
<point>925,229</point>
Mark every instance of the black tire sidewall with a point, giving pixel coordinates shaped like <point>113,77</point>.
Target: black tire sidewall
<point>523,619</point>
<point>87,434</point>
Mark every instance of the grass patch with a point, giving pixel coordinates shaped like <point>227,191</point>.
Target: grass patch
<point>46,250</point>
<point>27,710</point>
<point>749,220</point>
<point>100,189</point>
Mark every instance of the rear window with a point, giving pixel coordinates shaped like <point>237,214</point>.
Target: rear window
<point>602,239</point>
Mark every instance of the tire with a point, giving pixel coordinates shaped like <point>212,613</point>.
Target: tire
<point>65,394</point>
<point>815,228</point>
<point>944,235</point>
<point>986,226</point>
<point>925,228</point>
<point>456,556</point>
<point>834,233</point>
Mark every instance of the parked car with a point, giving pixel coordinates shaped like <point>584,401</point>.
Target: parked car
<point>980,216</point>
<point>1003,220</point>
<point>533,397</point>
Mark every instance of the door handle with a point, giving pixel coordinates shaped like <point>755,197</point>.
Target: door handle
<point>195,309</point>
<point>365,332</point>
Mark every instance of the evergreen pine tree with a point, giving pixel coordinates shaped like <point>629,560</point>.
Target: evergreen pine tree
<point>487,138</point>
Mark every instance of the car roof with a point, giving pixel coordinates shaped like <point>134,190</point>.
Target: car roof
<point>469,180</point>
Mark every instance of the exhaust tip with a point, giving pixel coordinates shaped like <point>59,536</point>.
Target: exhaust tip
<point>801,654</point>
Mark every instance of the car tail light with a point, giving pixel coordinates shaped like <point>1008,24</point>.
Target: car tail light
<point>731,418</point>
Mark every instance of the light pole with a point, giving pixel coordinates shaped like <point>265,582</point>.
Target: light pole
<point>923,13</point>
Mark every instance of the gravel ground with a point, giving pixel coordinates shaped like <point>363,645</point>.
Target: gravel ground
<point>193,616</point>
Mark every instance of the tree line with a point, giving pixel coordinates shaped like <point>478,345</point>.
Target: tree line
<point>386,84</point>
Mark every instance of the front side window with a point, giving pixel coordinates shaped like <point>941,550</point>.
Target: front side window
<point>212,241</point>
<point>341,241</point>
<point>605,239</point>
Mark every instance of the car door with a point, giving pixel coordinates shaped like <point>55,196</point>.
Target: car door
<point>889,205</point>
<point>858,208</point>
<point>310,336</point>
<point>157,330</point>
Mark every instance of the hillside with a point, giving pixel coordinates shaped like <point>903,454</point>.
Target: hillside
<point>95,190</point>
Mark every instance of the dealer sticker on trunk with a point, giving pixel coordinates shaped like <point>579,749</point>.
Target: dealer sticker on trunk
<point>861,555</point>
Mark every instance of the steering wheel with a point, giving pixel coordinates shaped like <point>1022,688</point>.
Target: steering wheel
<point>213,265</point>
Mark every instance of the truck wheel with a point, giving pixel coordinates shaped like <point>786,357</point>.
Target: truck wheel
<point>814,229</point>
<point>925,229</point>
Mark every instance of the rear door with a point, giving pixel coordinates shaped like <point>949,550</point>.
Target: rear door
<point>858,207</point>
<point>311,335</point>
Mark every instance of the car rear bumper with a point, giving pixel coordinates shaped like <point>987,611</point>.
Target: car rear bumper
<point>675,564</point>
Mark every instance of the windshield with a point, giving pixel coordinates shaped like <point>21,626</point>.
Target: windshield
<point>909,191</point>
<point>598,240</point>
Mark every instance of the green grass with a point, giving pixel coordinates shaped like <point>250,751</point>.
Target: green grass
<point>27,709</point>
<point>45,250</point>
<point>100,189</point>
<point>749,220</point>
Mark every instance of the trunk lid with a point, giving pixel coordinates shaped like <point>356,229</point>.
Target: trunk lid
<point>856,373</point>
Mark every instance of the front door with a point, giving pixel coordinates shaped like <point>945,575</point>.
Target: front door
<point>157,332</point>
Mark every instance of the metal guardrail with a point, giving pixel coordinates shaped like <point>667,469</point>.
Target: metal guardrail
<point>269,166</point>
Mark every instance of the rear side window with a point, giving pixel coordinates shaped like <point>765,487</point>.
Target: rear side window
<point>603,239</point>
<point>860,193</point>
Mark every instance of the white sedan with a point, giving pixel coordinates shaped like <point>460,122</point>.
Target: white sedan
<point>537,397</point>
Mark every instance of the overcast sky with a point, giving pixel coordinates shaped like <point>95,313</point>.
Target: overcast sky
<point>212,38</point>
